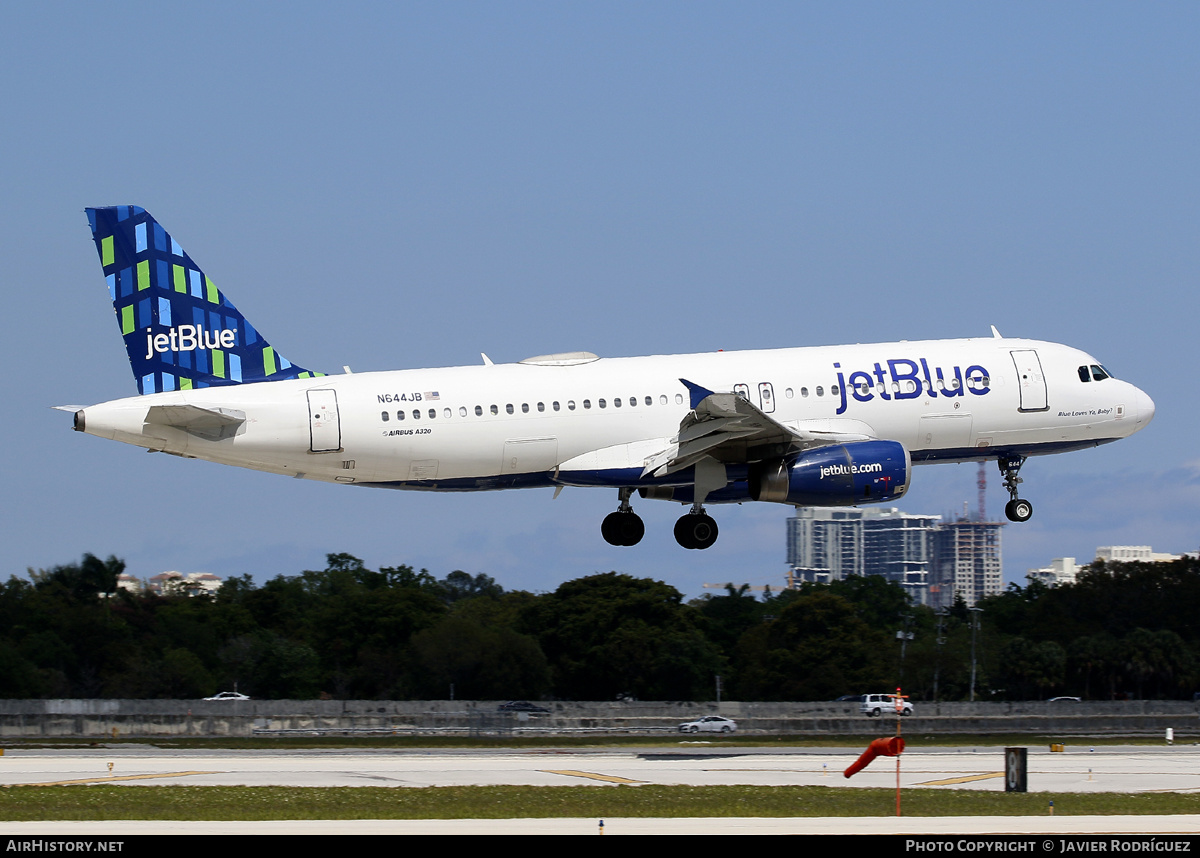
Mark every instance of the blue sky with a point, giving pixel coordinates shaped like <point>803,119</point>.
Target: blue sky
<point>405,185</point>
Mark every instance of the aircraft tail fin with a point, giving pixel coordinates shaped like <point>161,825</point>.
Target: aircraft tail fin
<point>180,331</point>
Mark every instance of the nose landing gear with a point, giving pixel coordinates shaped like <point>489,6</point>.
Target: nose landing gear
<point>1017,509</point>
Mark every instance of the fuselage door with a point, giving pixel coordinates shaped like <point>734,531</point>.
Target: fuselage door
<point>324,425</point>
<point>766,397</point>
<point>1031,380</point>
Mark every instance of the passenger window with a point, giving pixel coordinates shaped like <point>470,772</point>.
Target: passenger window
<point>833,390</point>
<point>662,400</point>
<point>478,410</point>
<point>603,404</point>
<point>524,407</point>
<point>399,415</point>
<point>679,399</point>
<point>649,400</point>
<point>617,402</point>
<point>820,390</point>
<point>446,413</point>
<point>804,392</point>
<point>554,405</point>
<point>416,414</point>
<point>495,410</point>
<point>788,393</point>
<point>587,403</point>
<point>509,408</point>
<point>384,416</point>
<point>432,413</point>
<point>541,407</point>
<point>570,404</point>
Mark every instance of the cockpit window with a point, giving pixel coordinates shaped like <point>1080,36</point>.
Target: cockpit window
<point>1084,375</point>
<point>1099,373</point>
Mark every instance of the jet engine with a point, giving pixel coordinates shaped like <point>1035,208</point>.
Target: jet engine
<point>838,475</point>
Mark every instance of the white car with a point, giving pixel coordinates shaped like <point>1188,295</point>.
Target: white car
<point>708,724</point>
<point>874,705</point>
<point>228,695</point>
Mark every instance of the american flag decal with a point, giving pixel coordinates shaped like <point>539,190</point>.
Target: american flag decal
<point>431,394</point>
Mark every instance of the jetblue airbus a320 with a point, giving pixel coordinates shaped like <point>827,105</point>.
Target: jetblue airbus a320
<point>828,425</point>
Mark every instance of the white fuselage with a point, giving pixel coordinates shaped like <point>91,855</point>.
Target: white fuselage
<point>595,421</point>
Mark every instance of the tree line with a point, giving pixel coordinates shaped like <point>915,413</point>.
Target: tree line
<point>1123,630</point>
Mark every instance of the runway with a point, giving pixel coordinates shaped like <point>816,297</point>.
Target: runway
<point>1130,769</point>
<point>1106,769</point>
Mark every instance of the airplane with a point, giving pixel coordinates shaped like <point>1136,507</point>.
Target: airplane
<point>835,425</point>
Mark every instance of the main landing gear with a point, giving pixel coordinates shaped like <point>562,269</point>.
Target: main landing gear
<point>1016,509</point>
<point>696,529</point>
<point>623,527</point>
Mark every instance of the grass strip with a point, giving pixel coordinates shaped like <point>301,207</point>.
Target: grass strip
<point>516,802</point>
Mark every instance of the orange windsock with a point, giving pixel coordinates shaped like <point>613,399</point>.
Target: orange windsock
<point>892,747</point>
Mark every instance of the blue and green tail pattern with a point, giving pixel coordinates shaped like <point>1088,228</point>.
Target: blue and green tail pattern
<point>180,332</point>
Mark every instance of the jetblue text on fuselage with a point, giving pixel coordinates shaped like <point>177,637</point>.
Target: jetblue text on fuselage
<point>188,338</point>
<point>902,378</point>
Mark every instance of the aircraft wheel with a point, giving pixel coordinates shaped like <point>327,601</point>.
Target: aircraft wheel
<point>1018,510</point>
<point>682,533</point>
<point>610,528</point>
<point>695,530</point>
<point>623,528</point>
<point>632,528</point>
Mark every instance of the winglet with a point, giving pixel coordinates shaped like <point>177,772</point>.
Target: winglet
<point>698,393</point>
<point>996,334</point>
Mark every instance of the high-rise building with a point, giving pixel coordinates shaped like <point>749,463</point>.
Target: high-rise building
<point>831,543</point>
<point>966,562</point>
<point>931,559</point>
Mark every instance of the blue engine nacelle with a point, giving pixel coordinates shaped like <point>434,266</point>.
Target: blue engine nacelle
<point>838,475</point>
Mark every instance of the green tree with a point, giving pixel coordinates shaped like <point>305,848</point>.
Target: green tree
<point>612,634</point>
<point>818,649</point>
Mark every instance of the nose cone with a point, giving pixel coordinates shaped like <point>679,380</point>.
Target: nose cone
<point>1145,407</point>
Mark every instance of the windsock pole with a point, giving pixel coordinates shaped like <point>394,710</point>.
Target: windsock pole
<point>892,747</point>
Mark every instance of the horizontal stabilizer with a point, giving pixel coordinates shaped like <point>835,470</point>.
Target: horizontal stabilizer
<point>214,424</point>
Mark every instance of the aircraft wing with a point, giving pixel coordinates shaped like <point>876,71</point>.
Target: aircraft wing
<point>730,429</point>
